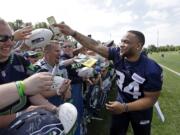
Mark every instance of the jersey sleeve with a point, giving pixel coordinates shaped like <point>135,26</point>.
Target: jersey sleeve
<point>154,78</point>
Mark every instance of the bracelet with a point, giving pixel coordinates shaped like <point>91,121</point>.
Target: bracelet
<point>74,33</point>
<point>20,88</point>
<point>125,107</point>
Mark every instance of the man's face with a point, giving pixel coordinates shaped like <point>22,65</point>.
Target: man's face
<point>6,43</point>
<point>129,45</point>
<point>67,48</point>
<point>54,54</point>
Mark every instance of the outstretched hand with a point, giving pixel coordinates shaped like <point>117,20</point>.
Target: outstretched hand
<point>23,33</point>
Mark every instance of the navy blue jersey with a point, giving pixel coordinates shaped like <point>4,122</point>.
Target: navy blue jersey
<point>15,69</point>
<point>135,78</point>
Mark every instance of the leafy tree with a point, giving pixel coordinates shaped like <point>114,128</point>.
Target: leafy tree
<point>152,48</point>
<point>41,25</point>
<point>18,24</point>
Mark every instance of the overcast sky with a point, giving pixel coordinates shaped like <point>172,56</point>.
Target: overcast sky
<point>104,19</point>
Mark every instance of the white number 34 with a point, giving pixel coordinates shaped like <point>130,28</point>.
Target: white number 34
<point>132,88</point>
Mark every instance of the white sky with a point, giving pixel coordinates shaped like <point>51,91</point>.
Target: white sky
<point>104,19</point>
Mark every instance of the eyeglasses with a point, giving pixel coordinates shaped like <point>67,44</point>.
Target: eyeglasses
<point>4,38</point>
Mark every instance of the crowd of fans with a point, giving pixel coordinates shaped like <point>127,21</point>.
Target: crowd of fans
<point>88,91</point>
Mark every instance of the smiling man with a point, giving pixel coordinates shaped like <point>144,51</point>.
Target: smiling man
<point>138,81</point>
<point>15,73</point>
<point>14,68</point>
<point>6,38</point>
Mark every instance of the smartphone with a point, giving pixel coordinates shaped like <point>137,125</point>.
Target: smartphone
<point>51,20</point>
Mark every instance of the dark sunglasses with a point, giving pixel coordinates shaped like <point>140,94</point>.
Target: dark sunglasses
<point>4,38</point>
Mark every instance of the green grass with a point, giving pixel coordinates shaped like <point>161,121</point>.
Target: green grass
<point>171,59</point>
<point>170,105</point>
<point>169,101</point>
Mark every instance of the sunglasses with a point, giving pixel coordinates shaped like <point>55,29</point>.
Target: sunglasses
<point>4,38</point>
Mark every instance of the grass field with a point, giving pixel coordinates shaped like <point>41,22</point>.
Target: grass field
<point>169,101</point>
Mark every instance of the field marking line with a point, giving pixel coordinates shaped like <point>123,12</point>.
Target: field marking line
<point>170,70</point>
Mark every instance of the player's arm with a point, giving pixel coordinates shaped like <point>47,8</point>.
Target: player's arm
<point>147,101</point>
<point>91,44</point>
<point>84,40</point>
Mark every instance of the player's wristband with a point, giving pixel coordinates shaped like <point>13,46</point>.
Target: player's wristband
<point>20,88</point>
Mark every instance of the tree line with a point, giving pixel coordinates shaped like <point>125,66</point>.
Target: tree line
<point>165,48</point>
<point>17,24</point>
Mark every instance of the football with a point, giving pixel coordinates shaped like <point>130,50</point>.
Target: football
<point>39,38</point>
<point>68,115</point>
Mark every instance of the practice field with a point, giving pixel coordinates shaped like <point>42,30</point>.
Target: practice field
<point>169,101</point>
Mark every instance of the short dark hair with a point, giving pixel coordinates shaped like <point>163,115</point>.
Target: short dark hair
<point>139,35</point>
